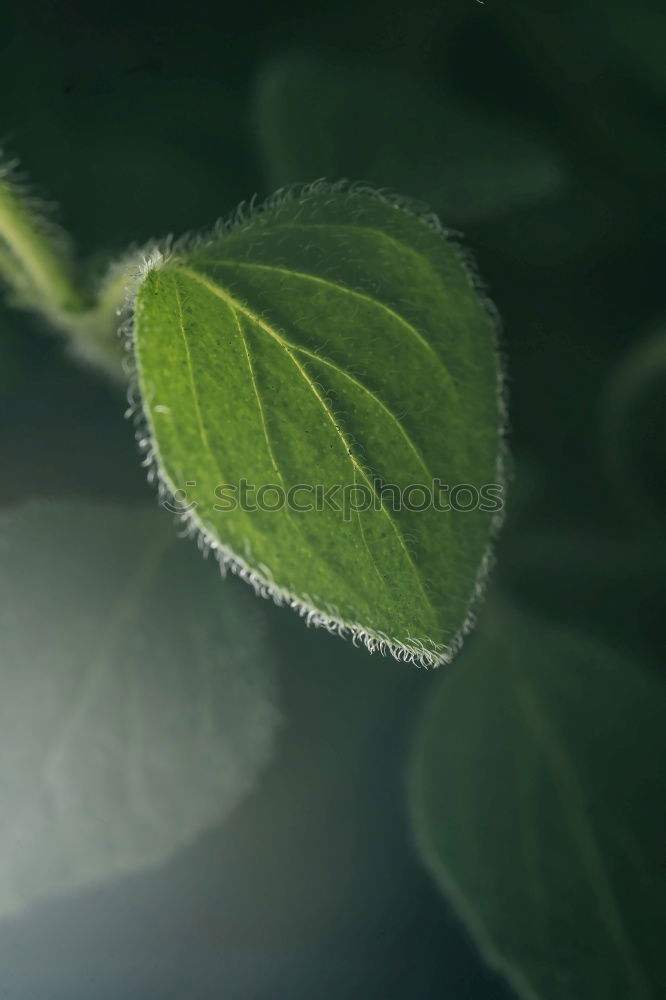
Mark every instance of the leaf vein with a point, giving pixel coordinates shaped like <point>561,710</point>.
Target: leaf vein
<point>260,406</point>
<point>343,371</point>
<point>195,393</point>
<point>234,303</point>
<point>347,290</point>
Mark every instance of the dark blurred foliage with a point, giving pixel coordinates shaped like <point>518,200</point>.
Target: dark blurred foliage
<point>137,119</point>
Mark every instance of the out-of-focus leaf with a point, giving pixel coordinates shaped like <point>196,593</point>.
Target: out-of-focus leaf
<point>136,697</point>
<point>537,801</point>
<point>319,119</point>
<point>332,353</point>
<point>634,428</point>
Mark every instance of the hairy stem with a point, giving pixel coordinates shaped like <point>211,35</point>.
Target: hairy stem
<point>36,266</point>
<point>32,259</point>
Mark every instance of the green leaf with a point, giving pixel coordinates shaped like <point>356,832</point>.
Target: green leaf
<point>137,697</point>
<point>536,791</point>
<point>322,119</point>
<point>330,339</point>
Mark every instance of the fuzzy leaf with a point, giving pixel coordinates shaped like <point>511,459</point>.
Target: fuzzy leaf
<point>136,697</point>
<point>536,791</point>
<point>328,340</point>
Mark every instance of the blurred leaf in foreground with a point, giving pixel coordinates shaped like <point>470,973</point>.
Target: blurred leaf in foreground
<point>136,696</point>
<point>537,801</point>
<point>321,119</point>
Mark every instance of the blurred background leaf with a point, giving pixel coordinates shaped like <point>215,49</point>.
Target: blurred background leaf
<point>536,801</point>
<point>137,697</point>
<point>311,880</point>
<point>317,118</point>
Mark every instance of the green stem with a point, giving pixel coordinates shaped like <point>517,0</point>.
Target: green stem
<point>40,272</point>
<point>38,261</point>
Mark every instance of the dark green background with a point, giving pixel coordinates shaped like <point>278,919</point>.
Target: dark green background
<point>136,118</point>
